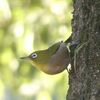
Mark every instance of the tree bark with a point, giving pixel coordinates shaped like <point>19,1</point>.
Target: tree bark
<point>84,84</point>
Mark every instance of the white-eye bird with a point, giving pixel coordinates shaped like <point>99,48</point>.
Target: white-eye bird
<point>53,60</point>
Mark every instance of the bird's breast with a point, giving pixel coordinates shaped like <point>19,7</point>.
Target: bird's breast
<point>58,61</point>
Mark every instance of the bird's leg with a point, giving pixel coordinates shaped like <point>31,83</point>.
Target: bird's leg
<point>71,47</point>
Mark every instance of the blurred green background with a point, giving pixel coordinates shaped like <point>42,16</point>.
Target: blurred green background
<point>25,26</point>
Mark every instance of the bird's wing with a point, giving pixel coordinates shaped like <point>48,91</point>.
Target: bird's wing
<point>53,49</point>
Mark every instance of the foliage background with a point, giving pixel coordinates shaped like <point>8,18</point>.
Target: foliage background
<point>25,26</point>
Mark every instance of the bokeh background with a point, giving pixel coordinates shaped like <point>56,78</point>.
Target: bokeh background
<point>26,26</point>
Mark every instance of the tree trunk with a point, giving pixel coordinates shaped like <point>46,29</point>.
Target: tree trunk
<point>84,84</point>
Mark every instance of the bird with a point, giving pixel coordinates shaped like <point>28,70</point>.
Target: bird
<point>52,60</point>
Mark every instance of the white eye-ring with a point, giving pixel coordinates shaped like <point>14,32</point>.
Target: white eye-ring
<point>34,55</point>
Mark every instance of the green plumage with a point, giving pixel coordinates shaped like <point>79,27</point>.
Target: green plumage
<point>52,60</point>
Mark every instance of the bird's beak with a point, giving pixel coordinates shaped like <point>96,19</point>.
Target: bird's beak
<point>25,58</point>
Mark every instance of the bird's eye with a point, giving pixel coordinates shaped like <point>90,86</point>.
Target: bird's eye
<point>34,55</point>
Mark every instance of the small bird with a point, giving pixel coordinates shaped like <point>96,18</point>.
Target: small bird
<point>53,60</point>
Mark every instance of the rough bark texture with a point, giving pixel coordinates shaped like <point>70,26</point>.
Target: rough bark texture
<point>84,84</point>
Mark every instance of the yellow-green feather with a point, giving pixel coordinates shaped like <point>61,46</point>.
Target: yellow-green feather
<point>43,56</point>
